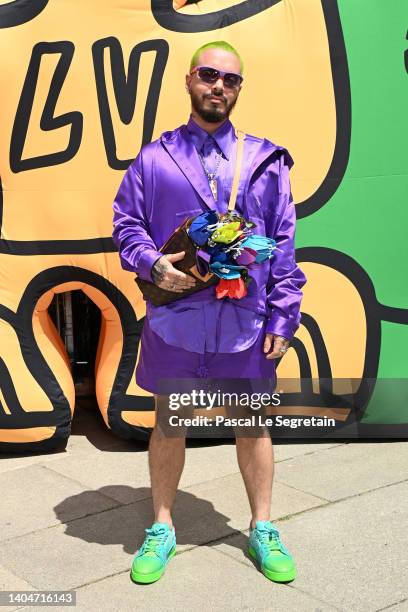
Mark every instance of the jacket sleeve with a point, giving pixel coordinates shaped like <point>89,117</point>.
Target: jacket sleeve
<point>286,279</point>
<point>137,251</point>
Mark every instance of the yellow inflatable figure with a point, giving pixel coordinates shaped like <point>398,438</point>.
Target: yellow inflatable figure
<point>84,86</point>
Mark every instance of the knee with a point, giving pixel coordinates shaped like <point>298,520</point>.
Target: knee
<point>166,431</point>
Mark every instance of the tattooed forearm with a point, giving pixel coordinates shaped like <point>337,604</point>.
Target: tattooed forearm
<point>158,271</point>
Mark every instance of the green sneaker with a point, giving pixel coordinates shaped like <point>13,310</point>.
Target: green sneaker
<point>158,548</point>
<point>273,558</point>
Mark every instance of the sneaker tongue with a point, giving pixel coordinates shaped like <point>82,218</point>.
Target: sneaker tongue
<point>263,525</point>
<point>156,530</point>
<point>267,529</point>
<point>159,527</point>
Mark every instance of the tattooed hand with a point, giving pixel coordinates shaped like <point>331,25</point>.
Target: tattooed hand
<point>166,276</point>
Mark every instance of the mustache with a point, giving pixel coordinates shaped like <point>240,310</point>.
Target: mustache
<point>221,97</point>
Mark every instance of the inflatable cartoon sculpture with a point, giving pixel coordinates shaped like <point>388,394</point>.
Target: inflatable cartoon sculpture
<point>85,85</point>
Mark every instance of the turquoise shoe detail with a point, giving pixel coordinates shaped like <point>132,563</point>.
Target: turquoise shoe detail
<point>273,558</point>
<point>158,548</point>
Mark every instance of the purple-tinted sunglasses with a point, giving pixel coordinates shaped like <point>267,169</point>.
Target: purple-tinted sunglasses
<point>211,76</point>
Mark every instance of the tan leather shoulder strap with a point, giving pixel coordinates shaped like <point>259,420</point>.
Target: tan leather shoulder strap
<point>237,173</point>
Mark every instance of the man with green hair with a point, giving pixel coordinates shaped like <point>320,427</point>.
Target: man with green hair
<point>219,44</point>
<point>198,334</point>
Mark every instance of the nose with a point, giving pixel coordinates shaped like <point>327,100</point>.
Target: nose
<point>219,84</point>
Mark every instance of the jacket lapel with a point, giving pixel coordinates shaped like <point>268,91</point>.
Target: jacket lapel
<point>185,155</point>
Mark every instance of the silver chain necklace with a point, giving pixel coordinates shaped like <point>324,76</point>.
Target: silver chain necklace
<point>211,175</point>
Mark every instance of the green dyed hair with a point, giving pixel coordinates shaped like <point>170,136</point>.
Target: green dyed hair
<point>218,44</point>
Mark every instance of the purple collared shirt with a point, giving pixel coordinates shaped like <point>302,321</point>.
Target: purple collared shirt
<point>166,184</point>
<point>212,324</point>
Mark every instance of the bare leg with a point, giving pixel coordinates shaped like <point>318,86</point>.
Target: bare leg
<point>166,463</point>
<point>255,460</point>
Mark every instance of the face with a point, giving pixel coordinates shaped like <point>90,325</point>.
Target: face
<point>214,102</point>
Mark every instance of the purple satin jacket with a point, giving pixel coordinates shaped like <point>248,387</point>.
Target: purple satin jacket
<point>165,184</point>
<point>210,325</point>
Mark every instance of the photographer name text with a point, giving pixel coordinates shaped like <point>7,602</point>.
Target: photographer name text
<point>255,420</point>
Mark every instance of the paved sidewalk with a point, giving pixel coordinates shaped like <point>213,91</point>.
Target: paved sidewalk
<point>74,519</point>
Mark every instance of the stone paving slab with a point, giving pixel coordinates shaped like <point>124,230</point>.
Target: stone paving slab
<point>354,553</point>
<point>222,504</point>
<point>127,473</point>
<point>77,553</point>
<point>284,451</point>
<point>32,494</point>
<point>202,512</point>
<point>90,436</point>
<point>346,470</point>
<point>10,582</point>
<point>130,472</point>
<point>399,607</point>
<point>351,554</point>
<point>11,462</point>
<point>214,454</point>
<point>197,579</point>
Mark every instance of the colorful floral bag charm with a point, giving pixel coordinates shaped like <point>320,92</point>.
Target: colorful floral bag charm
<point>228,248</point>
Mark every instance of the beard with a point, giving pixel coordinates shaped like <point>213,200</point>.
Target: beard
<point>211,115</point>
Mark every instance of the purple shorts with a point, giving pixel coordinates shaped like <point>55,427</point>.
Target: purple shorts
<point>159,360</point>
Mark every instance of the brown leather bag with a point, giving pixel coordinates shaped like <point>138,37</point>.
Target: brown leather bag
<point>181,241</point>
